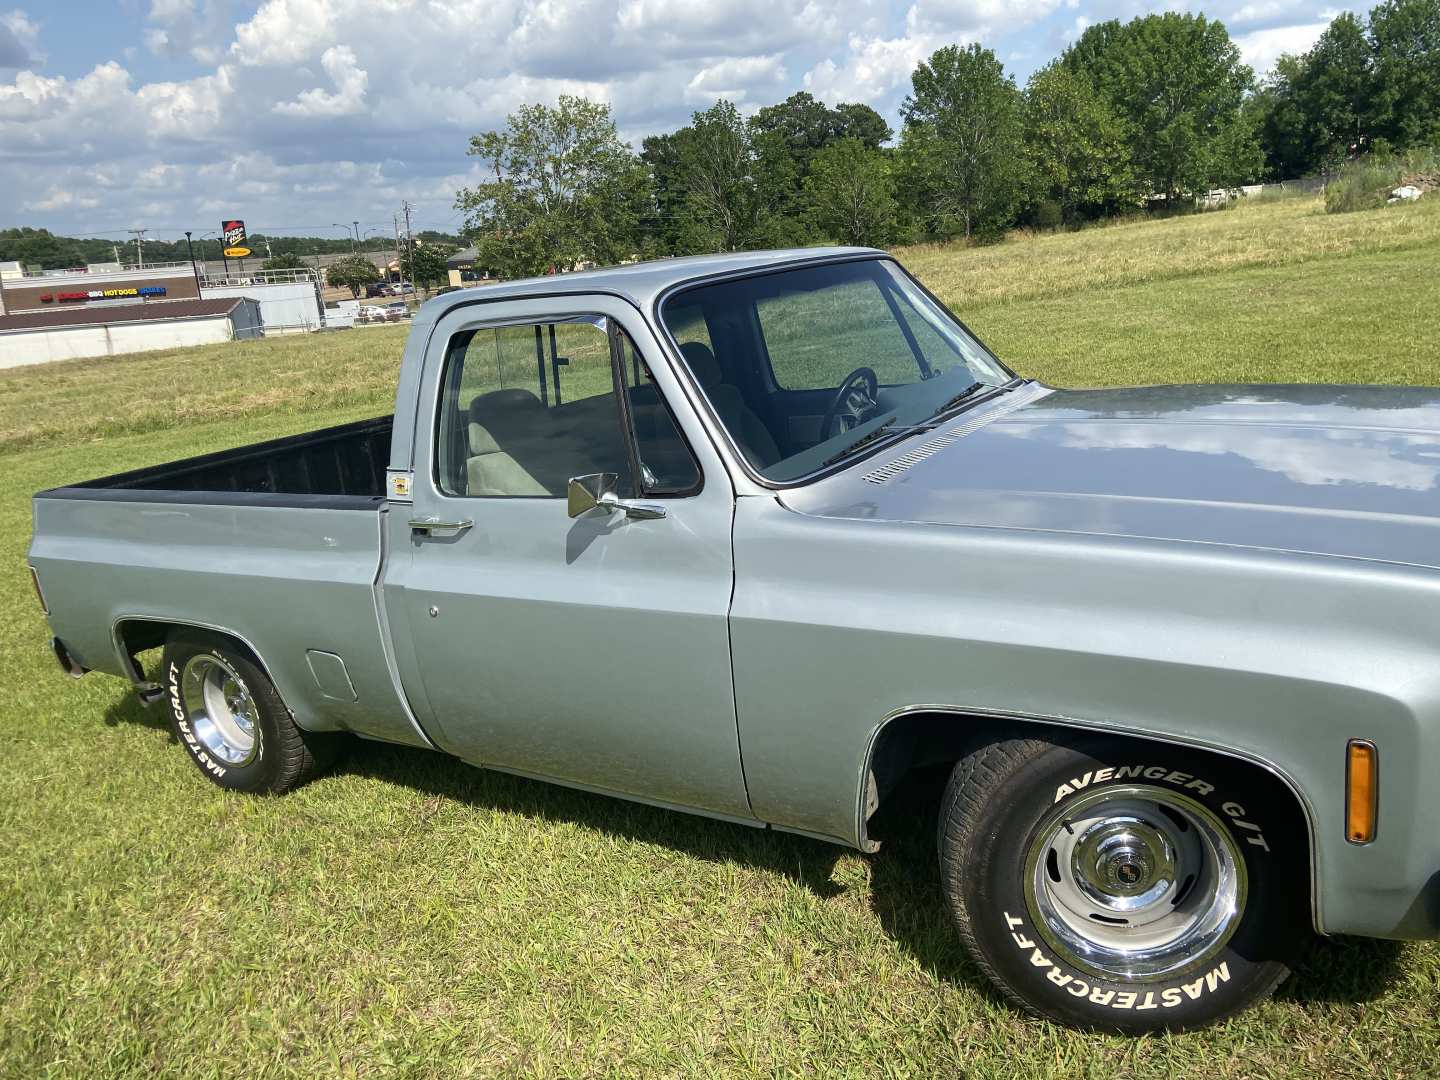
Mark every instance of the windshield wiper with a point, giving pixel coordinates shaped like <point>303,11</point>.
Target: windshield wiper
<point>873,435</point>
<point>960,398</point>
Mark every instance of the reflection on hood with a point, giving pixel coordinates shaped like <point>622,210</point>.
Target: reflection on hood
<point>1349,471</point>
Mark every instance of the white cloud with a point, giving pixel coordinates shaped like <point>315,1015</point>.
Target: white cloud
<point>872,71</point>
<point>1258,11</point>
<point>194,28</point>
<point>284,32</point>
<point>971,17</point>
<point>61,199</point>
<point>1261,48</point>
<point>736,77</point>
<point>19,40</point>
<point>350,80</point>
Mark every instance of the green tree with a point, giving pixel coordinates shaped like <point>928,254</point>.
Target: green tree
<point>286,261</point>
<point>1335,93</point>
<point>1283,127</point>
<point>425,266</point>
<point>1178,84</point>
<point>667,219</point>
<point>785,139</point>
<point>717,162</point>
<point>1405,39</point>
<point>565,190</point>
<point>858,121</point>
<point>1075,146</point>
<point>353,272</point>
<point>960,147</point>
<point>851,194</point>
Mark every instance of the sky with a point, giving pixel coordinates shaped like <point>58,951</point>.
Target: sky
<point>297,114</point>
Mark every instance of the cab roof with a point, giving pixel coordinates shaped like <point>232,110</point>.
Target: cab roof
<point>641,283</point>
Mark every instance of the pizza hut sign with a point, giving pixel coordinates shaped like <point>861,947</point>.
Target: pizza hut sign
<point>102,294</point>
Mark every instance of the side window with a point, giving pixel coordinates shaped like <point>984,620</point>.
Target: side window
<point>802,328</point>
<point>526,407</point>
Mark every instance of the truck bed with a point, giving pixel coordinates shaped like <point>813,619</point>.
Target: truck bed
<point>338,468</point>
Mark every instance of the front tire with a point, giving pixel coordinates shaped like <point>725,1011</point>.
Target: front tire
<point>231,721</point>
<point>1120,885</point>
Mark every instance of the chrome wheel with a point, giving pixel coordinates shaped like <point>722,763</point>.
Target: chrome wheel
<point>219,709</point>
<point>1134,882</point>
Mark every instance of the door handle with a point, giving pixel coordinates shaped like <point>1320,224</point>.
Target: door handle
<point>433,526</point>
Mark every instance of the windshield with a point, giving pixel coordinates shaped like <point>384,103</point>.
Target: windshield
<point>806,367</point>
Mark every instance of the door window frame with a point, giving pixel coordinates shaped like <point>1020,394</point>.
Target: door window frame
<point>613,329</point>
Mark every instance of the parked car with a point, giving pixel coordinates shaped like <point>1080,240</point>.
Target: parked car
<point>768,537</point>
<point>376,289</point>
<point>370,313</point>
<point>397,309</point>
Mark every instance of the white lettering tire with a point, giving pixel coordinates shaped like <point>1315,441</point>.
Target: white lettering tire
<point>1121,885</point>
<point>230,719</point>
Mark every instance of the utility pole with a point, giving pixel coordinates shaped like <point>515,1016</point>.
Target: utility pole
<point>357,235</point>
<point>409,245</point>
<point>396,219</point>
<point>269,254</point>
<point>139,251</point>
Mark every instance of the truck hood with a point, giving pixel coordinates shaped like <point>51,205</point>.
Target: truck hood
<point>1327,470</point>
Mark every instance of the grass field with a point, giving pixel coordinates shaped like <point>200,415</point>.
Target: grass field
<point>409,915</point>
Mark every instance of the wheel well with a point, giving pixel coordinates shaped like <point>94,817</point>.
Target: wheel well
<point>910,745</point>
<point>135,636</point>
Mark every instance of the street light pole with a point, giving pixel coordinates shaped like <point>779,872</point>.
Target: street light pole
<point>193,268</point>
<point>342,225</point>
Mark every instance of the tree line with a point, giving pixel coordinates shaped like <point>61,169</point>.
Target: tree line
<point>1131,114</point>
<point>44,249</point>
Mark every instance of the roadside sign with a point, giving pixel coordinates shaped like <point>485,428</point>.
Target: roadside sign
<point>236,242</point>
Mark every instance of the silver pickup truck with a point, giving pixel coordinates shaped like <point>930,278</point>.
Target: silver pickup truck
<point>766,537</point>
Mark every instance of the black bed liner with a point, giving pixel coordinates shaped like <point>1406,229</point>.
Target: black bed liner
<point>336,468</point>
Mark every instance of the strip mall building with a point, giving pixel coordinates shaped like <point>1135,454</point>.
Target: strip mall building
<point>107,309</point>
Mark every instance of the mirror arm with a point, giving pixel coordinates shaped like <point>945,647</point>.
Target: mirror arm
<point>640,511</point>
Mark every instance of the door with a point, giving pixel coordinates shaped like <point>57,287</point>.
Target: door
<point>591,650</point>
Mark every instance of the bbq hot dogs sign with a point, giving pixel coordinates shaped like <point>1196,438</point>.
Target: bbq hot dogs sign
<point>102,294</point>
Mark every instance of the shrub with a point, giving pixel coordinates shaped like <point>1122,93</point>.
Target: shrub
<point>1047,215</point>
<point>1366,183</point>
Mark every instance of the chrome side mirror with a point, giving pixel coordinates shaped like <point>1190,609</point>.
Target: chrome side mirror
<point>585,493</point>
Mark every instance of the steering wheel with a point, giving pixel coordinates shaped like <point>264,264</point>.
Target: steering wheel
<point>854,399</point>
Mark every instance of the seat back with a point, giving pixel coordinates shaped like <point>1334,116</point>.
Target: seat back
<point>743,423</point>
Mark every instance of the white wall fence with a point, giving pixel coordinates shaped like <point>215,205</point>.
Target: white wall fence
<point>286,307</point>
<point>41,345</point>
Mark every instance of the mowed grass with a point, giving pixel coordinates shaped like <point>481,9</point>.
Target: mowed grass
<point>409,915</point>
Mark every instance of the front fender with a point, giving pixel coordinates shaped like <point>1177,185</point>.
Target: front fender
<point>1275,659</point>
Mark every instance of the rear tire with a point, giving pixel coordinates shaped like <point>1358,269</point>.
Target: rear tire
<point>231,720</point>
<point>1120,885</point>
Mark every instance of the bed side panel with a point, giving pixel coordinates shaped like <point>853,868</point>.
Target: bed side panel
<point>284,579</point>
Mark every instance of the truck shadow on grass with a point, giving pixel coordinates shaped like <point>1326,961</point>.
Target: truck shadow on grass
<point>904,875</point>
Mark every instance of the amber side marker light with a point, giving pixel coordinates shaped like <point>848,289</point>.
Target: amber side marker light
<point>35,580</point>
<point>1362,790</point>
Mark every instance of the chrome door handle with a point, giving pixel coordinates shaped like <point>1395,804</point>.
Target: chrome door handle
<point>435,527</point>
